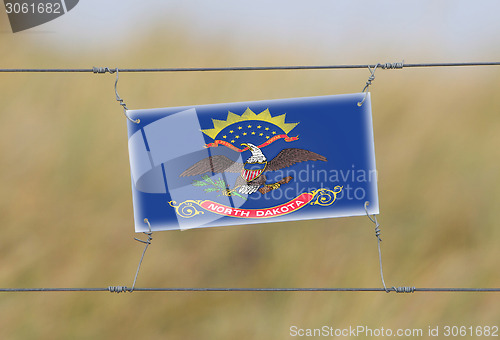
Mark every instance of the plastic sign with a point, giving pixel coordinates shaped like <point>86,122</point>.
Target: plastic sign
<point>252,162</point>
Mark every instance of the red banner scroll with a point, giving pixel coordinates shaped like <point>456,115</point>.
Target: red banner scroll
<point>285,208</point>
<point>218,142</point>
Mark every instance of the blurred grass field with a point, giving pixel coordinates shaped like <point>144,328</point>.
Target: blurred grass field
<point>66,207</point>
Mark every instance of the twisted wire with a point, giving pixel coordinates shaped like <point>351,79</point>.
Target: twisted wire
<point>392,66</point>
<point>118,99</point>
<point>377,234</point>
<point>404,289</point>
<point>147,242</point>
<point>368,83</point>
<point>379,239</point>
<point>118,289</point>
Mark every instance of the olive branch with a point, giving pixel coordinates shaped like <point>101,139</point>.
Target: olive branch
<point>218,185</point>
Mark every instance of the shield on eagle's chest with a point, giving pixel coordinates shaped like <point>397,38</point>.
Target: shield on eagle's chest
<point>253,170</point>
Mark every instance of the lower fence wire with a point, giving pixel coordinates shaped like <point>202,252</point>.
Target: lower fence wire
<point>119,289</point>
<point>123,289</point>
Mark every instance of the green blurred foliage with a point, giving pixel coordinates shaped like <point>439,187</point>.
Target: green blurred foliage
<point>66,207</point>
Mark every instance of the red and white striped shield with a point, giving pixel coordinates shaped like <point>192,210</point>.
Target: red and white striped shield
<point>253,170</point>
<point>250,175</point>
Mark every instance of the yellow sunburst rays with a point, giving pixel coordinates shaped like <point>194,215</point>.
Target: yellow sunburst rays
<point>264,116</point>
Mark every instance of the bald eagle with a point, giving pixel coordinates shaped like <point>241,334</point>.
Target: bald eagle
<point>252,171</point>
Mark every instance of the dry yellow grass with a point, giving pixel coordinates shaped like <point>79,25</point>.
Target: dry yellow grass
<point>66,209</point>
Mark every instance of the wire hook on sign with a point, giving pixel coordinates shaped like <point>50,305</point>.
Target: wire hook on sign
<point>385,66</point>
<point>147,243</point>
<point>377,235</point>
<point>118,98</point>
<point>122,289</point>
<point>368,83</point>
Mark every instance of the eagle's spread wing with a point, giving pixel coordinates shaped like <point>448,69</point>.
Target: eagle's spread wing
<point>288,157</point>
<point>216,164</point>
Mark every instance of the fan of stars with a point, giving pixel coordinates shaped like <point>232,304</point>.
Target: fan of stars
<point>255,132</point>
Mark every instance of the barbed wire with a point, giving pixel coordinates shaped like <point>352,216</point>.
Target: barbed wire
<point>398,65</point>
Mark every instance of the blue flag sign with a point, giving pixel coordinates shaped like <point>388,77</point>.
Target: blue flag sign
<point>252,162</point>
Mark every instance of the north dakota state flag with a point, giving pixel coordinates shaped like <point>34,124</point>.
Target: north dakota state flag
<point>252,162</point>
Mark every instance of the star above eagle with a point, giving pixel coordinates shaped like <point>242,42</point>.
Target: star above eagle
<point>252,172</point>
